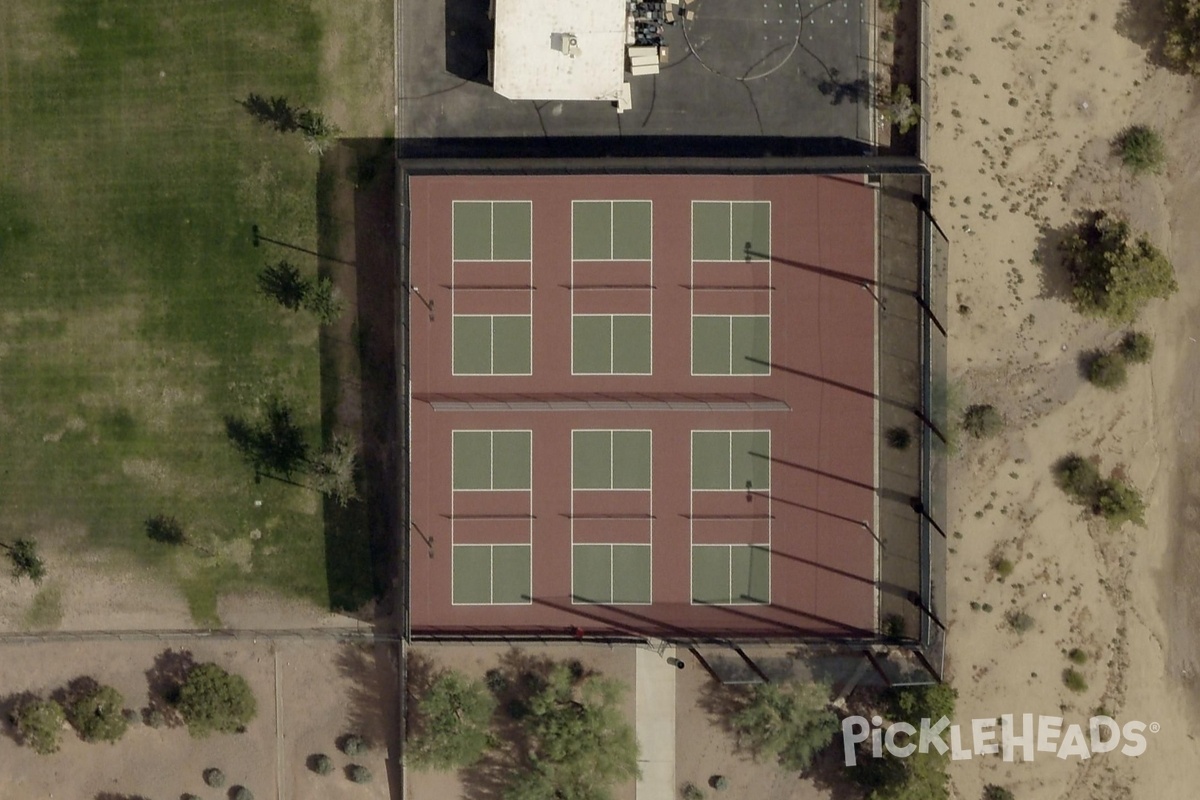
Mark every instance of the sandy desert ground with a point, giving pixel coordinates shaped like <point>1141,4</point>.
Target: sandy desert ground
<point>1027,100</point>
<point>308,694</point>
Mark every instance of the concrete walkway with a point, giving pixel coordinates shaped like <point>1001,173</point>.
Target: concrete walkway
<point>655,691</point>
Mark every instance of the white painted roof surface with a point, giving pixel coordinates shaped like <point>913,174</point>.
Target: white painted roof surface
<point>527,65</point>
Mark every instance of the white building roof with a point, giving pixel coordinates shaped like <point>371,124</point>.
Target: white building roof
<point>527,65</point>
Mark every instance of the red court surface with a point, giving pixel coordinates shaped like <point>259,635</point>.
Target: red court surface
<point>780,549</point>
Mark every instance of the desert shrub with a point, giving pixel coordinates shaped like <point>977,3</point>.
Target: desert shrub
<point>898,108</point>
<point>321,764</point>
<point>360,774</point>
<point>1078,477</point>
<point>1002,566</point>
<point>25,561</point>
<point>1113,277</point>
<point>242,793</point>
<point>915,703</point>
<point>1182,44</point>
<point>214,777</point>
<point>132,717</point>
<point>1137,347</point>
<point>894,627</point>
<point>165,529</point>
<point>994,792</point>
<point>719,782</point>
<point>212,700</point>
<point>354,745</point>
<point>97,714</point>
<point>154,717</point>
<point>1077,656</point>
<point>1141,149</point>
<point>982,421</point>
<point>1073,679</point>
<point>39,723</point>
<point>898,438</point>
<point>452,720</point>
<point>788,721</point>
<point>1107,371</point>
<point>1019,621</point>
<point>1119,502</point>
<point>691,791</point>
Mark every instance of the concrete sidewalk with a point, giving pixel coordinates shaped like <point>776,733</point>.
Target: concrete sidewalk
<point>655,695</point>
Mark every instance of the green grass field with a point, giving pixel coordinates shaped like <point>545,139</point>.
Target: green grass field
<point>129,320</point>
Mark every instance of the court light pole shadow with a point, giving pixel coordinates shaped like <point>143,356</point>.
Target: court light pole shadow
<point>258,237</point>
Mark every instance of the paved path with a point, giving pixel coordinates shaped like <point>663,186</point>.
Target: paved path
<point>655,692</point>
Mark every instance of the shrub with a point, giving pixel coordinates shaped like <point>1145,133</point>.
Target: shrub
<point>1141,149</point>
<point>214,777</point>
<point>165,529</point>
<point>1137,347</point>
<point>691,791</point>
<point>893,626</point>
<point>497,681</point>
<point>1019,621</point>
<point>899,108</point>
<point>242,793</point>
<point>1112,277</point>
<point>1107,371</point>
<point>1077,656</point>
<point>1077,476</point>
<point>154,717</point>
<point>898,438</point>
<point>354,745</point>
<point>212,700</point>
<point>322,764</point>
<point>1002,566</point>
<point>1073,679</point>
<point>982,421</point>
<point>132,717</point>
<point>890,6</point>
<point>26,563</point>
<point>360,774</point>
<point>39,722</point>
<point>994,792</point>
<point>719,782</point>
<point>1118,502</point>
<point>97,714</point>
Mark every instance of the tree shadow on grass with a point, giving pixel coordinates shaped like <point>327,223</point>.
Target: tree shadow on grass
<point>164,679</point>
<point>357,232</point>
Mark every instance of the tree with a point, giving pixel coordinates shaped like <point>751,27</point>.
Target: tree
<point>1118,502</point>
<point>26,563</point>
<point>96,714</point>
<point>789,721</point>
<point>360,774</point>
<point>914,703</point>
<point>1141,149</point>
<point>319,133</point>
<point>920,776</point>
<point>579,743</point>
<point>273,445</point>
<point>274,111</point>
<point>282,282</point>
<point>1182,45</point>
<point>334,470</point>
<point>324,301</point>
<point>452,723</point>
<point>39,723</point>
<point>165,529</point>
<point>1079,477</point>
<point>212,700</point>
<point>899,109</point>
<point>1112,277</point>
